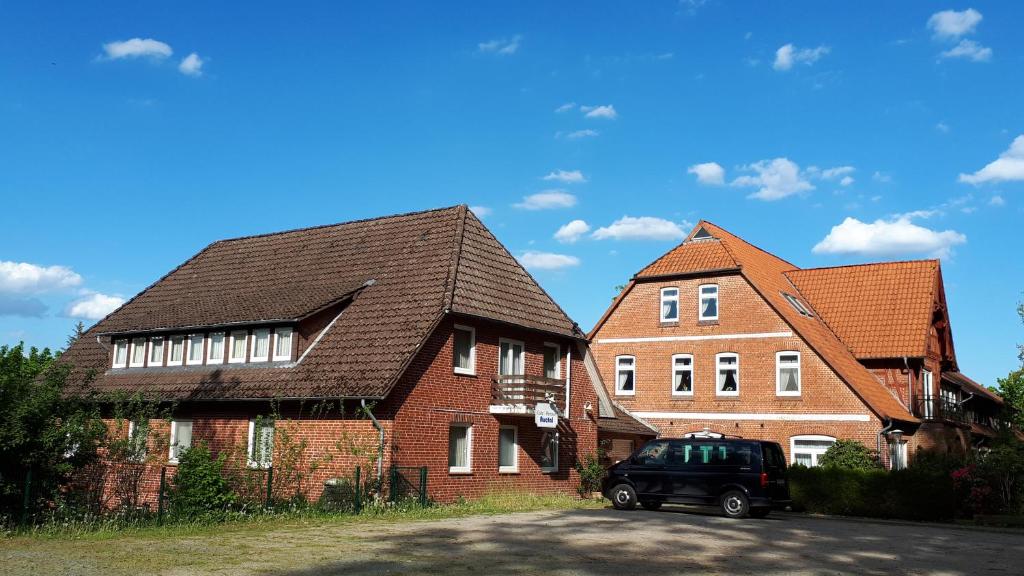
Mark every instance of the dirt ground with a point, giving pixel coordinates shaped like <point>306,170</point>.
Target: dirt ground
<point>572,542</point>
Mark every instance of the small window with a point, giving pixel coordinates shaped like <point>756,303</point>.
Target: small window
<point>460,448</point>
<point>138,356</point>
<point>282,344</point>
<point>176,353</point>
<point>669,304</point>
<point>898,455</point>
<point>215,354</point>
<point>156,351</point>
<point>549,451</point>
<point>260,345</point>
<point>138,435</point>
<point>238,346</point>
<point>261,443</point>
<point>464,350</point>
<point>508,449</point>
<point>653,453</point>
<point>797,304</point>
<point>728,374</point>
<point>625,375</point>
<point>682,375</point>
<point>708,302</point>
<point>181,439</point>
<point>195,349</point>
<point>787,373</point>
<point>807,450</point>
<point>513,358</point>
<point>120,353</point>
<point>552,361</point>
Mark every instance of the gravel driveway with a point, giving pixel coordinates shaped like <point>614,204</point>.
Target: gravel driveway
<point>583,542</point>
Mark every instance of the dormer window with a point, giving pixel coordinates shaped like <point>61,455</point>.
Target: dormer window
<point>156,351</point>
<point>138,355</point>
<point>120,353</point>
<point>176,352</point>
<point>215,353</point>
<point>708,298</point>
<point>260,345</point>
<point>195,349</point>
<point>702,234</point>
<point>669,304</point>
<point>282,344</point>
<point>239,339</point>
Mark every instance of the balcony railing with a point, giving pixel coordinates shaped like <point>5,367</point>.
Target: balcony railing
<point>938,408</point>
<point>519,394</point>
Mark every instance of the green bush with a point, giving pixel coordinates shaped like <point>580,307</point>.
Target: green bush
<point>849,454</point>
<point>199,488</point>
<point>591,473</point>
<point>911,494</point>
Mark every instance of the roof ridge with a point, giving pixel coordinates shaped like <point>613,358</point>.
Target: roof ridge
<point>754,246</point>
<point>456,257</point>
<point>866,264</point>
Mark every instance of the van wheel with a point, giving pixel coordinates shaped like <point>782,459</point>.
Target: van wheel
<point>759,512</point>
<point>623,497</point>
<point>651,505</point>
<point>734,504</point>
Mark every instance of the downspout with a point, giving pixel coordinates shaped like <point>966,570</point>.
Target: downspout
<point>568,378</point>
<point>910,385</point>
<point>380,447</point>
<point>879,440</point>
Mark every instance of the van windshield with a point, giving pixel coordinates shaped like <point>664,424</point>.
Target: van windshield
<point>710,452</point>
<point>653,453</point>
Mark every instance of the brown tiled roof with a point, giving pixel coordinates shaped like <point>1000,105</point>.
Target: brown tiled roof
<point>625,423</point>
<point>422,265</point>
<point>692,257</point>
<point>879,310</point>
<point>972,387</point>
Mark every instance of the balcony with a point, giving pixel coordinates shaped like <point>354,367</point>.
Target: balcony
<point>519,394</point>
<point>938,408</point>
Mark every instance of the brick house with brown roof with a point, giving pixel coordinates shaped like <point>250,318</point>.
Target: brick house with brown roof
<point>720,337</point>
<point>424,317</point>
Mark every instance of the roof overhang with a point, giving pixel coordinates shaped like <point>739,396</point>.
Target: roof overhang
<point>689,274</point>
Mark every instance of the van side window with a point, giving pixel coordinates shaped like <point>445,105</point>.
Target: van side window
<point>653,453</point>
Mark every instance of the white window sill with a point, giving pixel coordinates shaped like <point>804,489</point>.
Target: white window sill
<point>788,394</point>
<point>465,371</point>
<point>683,394</point>
<point>460,471</point>
<point>625,392</point>
<point>214,361</point>
<point>727,394</point>
<point>508,470</point>
<point>548,470</point>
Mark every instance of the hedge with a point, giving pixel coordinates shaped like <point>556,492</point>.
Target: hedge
<point>911,494</point>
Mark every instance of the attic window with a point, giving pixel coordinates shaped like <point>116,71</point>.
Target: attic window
<point>798,305</point>
<point>702,234</point>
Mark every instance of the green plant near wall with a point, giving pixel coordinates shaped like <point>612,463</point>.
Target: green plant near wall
<point>850,455</point>
<point>199,489</point>
<point>591,473</point>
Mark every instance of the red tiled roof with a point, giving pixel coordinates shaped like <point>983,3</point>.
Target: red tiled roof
<point>971,386</point>
<point>625,423</point>
<point>692,256</point>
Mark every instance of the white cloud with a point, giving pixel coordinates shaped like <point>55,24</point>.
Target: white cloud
<point>832,173</point>
<point>640,228</point>
<point>571,232</point>
<point>997,200</point>
<point>1009,166</point>
<point>565,107</point>
<point>892,237</point>
<point>191,65</point>
<point>950,24</point>
<point>502,46</point>
<point>547,200</point>
<point>94,306</point>
<point>606,111</point>
<point>881,177</point>
<point>710,173</point>
<point>547,260</point>
<point>775,179</point>
<point>788,55</point>
<point>846,181</point>
<point>970,50</point>
<point>578,134</point>
<point>22,277</point>
<point>481,211</point>
<point>942,127</point>
<point>567,176</point>
<point>137,48</point>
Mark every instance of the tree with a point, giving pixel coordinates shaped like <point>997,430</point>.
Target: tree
<point>75,334</point>
<point>1011,389</point>
<point>848,454</point>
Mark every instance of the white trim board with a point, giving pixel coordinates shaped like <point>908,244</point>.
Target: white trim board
<point>694,338</point>
<point>754,416</point>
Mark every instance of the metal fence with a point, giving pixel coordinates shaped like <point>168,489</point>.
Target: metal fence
<point>408,483</point>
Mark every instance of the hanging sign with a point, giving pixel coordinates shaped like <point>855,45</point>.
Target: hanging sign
<point>545,416</point>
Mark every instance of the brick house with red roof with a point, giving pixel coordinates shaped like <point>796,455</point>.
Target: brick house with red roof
<point>718,336</point>
<point>424,318</point>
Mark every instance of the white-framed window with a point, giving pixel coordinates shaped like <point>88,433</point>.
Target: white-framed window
<point>156,351</point>
<point>261,443</point>
<point>120,353</point>
<point>728,381</point>
<point>669,304</point>
<point>549,451</point>
<point>176,351</point>
<point>215,351</point>
<point>708,302</point>
<point>625,375</point>
<point>181,439</point>
<point>513,358</point>
<point>508,449</point>
<point>138,436</point>
<point>928,394</point>
<point>237,348</point>
<point>898,455</point>
<point>552,361</point>
<point>682,375</point>
<point>260,345</point>
<point>282,344</point>
<point>787,373</point>
<point>460,448</point>
<point>195,349</point>
<point>137,359</point>
<point>464,350</point>
<point>808,448</point>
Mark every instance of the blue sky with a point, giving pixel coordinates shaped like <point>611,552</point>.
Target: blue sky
<point>135,133</point>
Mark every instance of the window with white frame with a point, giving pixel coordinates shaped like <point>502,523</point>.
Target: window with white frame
<point>513,358</point>
<point>787,373</point>
<point>928,394</point>
<point>682,375</point>
<point>549,451</point>
<point>806,450</point>
<point>282,344</point>
<point>728,374</point>
<point>460,448</point>
<point>181,439</point>
<point>708,299</point>
<point>260,345</point>
<point>552,361</point>
<point>898,455</point>
<point>508,449</point>
<point>261,442</point>
<point>464,350</point>
<point>156,351</point>
<point>138,435</point>
<point>176,351</point>
<point>120,353</point>
<point>138,355</point>
<point>195,349</point>
<point>215,353</point>
<point>625,375</point>
<point>238,346</point>
<point>669,304</point>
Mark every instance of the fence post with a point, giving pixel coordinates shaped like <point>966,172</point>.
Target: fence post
<point>270,486</point>
<point>359,492</point>
<point>160,496</point>
<point>27,496</point>
<point>423,485</point>
<point>393,480</point>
